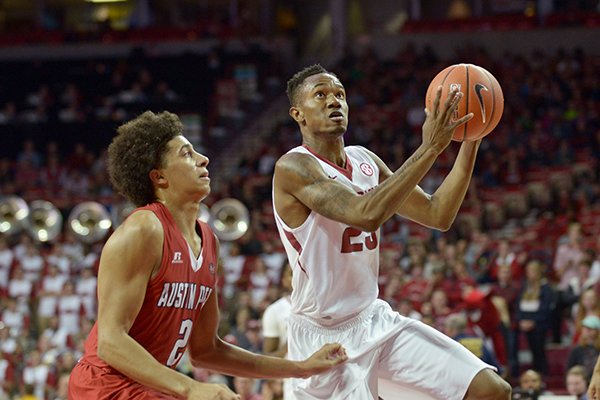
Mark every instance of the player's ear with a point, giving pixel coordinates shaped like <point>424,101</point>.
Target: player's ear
<point>296,113</point>
<point>157,177</point>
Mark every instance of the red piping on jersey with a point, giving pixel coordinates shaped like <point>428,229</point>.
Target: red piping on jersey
<point>296,245</point>
<point>346,171</point>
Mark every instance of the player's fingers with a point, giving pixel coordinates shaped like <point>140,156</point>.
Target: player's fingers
<point>450,98</point>
<point>460,121</point>
<point>451,105</point>
<point>427,113</point>
<point>436,101</point>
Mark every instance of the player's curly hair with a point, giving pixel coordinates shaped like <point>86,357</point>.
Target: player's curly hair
<point>298,79</point>
<point>139,147</point>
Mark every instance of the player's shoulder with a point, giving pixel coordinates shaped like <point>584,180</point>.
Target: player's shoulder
<point>364,153</point>
<point>358,150</point>
<point>296,161</point>
<point>143,224</point>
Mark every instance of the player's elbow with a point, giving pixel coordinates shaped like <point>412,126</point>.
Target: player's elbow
<point>368,224</point>
<point>201,353</point>
<point>111,342</point>
<point>370,219</point>
<point>104,350</point>
<point>441,222</point>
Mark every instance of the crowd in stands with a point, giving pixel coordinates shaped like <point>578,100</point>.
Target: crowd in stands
<point>516,275</point>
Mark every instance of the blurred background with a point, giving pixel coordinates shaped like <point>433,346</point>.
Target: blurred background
<point>71,71</point>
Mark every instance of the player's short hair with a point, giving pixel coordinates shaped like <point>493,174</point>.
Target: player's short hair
<point>138,148</point>
<point>298,79</point>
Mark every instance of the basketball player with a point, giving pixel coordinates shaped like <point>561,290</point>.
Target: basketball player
<point>330,201</point>
<point>156,283</point>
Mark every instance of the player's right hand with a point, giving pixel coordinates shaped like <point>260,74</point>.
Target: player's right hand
<point>439,124</point>
<point>211,391</point>
<point>324,359</point>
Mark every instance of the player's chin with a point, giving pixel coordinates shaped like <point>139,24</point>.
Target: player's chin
<point>339,129</point>
<point>204,189</point>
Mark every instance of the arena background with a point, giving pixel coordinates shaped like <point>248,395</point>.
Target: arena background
<point>72,70</point>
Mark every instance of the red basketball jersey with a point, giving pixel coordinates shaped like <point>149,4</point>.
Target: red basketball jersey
<point>174,297</point>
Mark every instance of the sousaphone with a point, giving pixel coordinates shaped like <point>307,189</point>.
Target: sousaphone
<point>44,222</point>
<point>89,221</point>
<point>13,212</point>
<point>229,219</point>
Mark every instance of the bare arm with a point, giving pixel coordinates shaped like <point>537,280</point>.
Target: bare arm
<point>300,177</point>
<point>439,210</point>
<point>271,347</point>
<point>208,350</point>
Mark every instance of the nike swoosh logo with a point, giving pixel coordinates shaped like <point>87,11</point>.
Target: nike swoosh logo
<point>332,177</point>
<point>478,88</point>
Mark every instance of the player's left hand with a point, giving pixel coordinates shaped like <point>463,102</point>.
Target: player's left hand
<point>324,359</point>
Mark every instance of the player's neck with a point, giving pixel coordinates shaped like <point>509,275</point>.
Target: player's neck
<point>185,216</point>
<point>331,150</point>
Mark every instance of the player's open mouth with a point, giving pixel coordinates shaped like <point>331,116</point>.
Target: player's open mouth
<point>336,116</point>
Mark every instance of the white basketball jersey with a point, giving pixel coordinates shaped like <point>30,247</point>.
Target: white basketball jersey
<point>335,266</point>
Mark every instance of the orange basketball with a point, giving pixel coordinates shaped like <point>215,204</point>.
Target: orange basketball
<point>482,97</point>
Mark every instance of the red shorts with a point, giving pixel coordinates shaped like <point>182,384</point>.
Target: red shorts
<point>89,382</point>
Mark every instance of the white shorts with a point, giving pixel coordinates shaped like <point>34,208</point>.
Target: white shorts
<point>388,355</point>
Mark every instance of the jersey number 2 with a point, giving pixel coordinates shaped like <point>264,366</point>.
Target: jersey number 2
<point>349,247</point>
<point>184,330</point>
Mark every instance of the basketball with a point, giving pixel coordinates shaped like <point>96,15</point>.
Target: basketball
<point>482,96</point>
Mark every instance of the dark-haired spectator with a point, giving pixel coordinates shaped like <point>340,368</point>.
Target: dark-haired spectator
<point>531,386</point>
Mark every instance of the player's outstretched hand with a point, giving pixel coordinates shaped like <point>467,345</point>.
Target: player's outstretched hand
<point>204,391</point>
<point>439,124</point>
<point>326,358</point>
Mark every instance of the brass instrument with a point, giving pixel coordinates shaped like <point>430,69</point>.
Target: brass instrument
<point>229,219</point>
<point>44,222</point>
<point>13,212</point>
<point>89,221</point>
